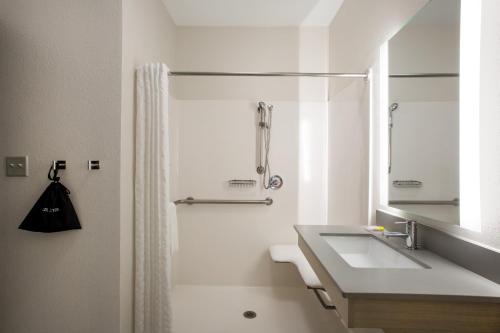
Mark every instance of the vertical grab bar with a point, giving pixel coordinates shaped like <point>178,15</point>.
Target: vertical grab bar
<point>260,133</point>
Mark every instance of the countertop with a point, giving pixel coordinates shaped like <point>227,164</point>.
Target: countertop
<point>444,280</point>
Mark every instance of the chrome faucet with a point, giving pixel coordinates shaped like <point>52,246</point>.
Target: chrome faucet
<point>410,235</point>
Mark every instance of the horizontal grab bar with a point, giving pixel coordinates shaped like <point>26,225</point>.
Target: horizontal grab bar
<point>454,202</point>
<point>191,201</point>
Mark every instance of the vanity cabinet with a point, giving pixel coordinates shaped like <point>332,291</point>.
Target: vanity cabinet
<point>407,313</point>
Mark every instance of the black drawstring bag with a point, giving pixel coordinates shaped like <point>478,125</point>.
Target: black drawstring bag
<point>53,211</point>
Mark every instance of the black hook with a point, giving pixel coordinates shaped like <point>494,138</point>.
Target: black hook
<point>54,170</point>
<point>53,174</point>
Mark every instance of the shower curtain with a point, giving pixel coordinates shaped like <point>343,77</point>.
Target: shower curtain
<point>153,245</point>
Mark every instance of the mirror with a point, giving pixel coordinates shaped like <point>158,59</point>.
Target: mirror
<point>424,64</point>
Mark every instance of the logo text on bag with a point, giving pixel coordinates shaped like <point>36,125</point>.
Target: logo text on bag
<point>50,210</point>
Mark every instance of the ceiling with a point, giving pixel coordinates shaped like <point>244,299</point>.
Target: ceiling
<point>253,13</point>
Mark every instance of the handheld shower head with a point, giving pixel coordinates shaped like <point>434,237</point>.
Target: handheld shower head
<point>261,106</point>
<point>393,107</point>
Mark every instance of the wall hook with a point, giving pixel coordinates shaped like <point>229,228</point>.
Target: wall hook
<point>93,165</point>
<point>54,170</point>
<point>59,165</point>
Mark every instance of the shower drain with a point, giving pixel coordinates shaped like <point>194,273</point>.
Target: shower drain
<point>249,314</point>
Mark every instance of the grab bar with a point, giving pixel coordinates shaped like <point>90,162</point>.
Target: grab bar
<point>454,202</point>
<point>323,303</point>
<point>407,183</point>
<point>191,201</point>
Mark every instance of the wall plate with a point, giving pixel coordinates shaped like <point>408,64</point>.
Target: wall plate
<point>16,166</point>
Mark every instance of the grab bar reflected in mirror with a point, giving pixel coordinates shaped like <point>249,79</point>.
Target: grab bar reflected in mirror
<point>454,202</point>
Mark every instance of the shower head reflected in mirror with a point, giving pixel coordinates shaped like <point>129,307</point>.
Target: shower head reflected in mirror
<point>392,108</point>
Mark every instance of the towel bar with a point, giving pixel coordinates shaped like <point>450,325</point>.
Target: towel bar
<point>191,201</point>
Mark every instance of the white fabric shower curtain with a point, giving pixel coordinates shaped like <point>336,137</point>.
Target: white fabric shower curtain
<point>153,248</point>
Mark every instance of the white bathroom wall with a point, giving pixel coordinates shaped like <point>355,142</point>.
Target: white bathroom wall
<point>348,144</point>
<point>313,163</point>
<point>216,135</point>
<point>225,244</point>
<point>148,35</point>
<point>60,99</point>
<point>313,127</point>
<point>252,49</point>
<point>356,33</point>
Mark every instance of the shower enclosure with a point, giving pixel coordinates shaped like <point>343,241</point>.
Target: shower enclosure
<point>223,268</point>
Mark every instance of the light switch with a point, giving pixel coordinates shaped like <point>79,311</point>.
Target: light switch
<point>17,166</point>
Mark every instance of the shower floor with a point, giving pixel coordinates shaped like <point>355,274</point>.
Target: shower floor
<point>219,309</point>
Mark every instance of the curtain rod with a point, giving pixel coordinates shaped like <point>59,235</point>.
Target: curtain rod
<point>423,75</point>
<point>309,74</point>
<point>270,74</point>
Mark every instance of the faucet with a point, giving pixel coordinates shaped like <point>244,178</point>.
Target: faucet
<point>410,234</point>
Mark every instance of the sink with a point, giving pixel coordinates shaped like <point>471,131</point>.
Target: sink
<point>366,251</point>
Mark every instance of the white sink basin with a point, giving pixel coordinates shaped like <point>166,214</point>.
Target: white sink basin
<point>365,251</point>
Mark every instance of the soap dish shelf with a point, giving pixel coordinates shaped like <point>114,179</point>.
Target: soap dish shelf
<point>407,183</point>
<point>242,182</point>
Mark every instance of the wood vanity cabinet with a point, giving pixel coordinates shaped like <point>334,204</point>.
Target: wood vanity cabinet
<point>407,314</point>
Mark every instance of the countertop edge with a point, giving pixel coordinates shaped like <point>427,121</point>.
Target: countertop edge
<point>300,229</point>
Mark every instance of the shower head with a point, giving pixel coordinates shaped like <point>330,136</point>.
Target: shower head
<point>261,106</point>
<point>393,107</point>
